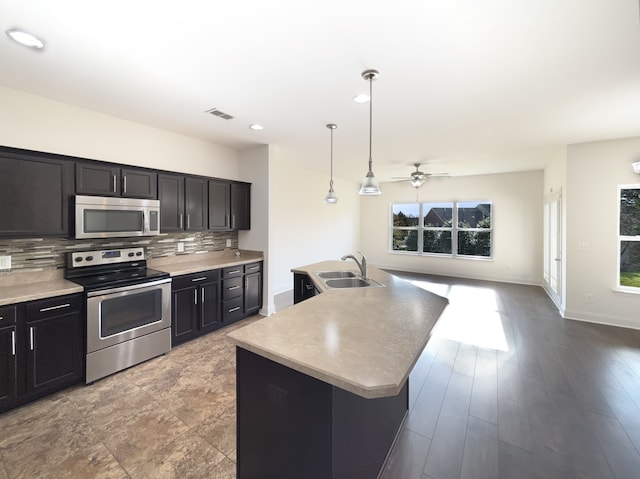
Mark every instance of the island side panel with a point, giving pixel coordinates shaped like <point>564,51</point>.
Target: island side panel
<point>292,425</point>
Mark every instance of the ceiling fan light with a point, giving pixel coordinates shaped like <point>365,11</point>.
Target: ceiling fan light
<point>370,185</point>
<point>416,182</point>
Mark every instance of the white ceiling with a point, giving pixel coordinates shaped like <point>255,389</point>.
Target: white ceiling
<point>465,87</point>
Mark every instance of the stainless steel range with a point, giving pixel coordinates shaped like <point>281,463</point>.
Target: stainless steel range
<point>128,308</point>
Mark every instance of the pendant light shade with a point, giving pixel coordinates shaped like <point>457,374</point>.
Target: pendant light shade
<point>331,197</point>
<point>370,183</point>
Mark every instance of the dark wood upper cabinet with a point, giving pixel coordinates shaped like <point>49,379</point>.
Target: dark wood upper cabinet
<point>219,205</point>
<point>108,180</point>
<point>241,206</point>
<point>35,193</point>
<point>229,205</point>
<point>196,207</point>
<point>171,195</point>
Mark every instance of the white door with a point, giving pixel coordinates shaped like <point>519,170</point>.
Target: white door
<point>553,247</point>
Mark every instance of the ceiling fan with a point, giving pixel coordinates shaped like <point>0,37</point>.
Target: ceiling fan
<point>417,178</point>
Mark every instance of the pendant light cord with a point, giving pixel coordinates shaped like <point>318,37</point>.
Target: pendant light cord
<point>331,180</point>
<point>370,120</point>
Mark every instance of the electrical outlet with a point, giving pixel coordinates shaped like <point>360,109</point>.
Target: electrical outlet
<point>180,247</point>
<point>5,262</point>
<point>588,298</point>
<point>583,246</point>
<point>228,243</point>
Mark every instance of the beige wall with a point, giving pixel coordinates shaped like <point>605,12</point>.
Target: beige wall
<point>517,226</point>
<point>36,123</point>
<point>594,171</point>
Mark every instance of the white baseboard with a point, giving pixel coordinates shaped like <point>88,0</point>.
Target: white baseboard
<point>601,319</point>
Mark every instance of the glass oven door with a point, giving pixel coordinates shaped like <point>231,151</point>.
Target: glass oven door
<point>120,314</point>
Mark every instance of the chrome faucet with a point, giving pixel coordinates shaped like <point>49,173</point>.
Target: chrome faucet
<point>362,265</point>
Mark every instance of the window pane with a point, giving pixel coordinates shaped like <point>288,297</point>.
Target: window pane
<point>405,240</point>
<point>436,241</point>
<point>438,215</point>
<point>630,212</point>
<point>474,215</point>
<point>630,263</point>
<point>406,214</point>
<point>474,243</point>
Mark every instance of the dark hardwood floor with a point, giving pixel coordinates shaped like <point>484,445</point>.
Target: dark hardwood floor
<point>508,389</point>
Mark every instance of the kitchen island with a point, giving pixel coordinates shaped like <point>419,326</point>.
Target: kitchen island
<point>322,387</point>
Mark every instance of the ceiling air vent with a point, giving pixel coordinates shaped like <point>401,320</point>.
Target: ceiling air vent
<point>220,114</point>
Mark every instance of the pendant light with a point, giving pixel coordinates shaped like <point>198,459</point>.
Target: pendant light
<point>331,196</point>
<point>370,183</point>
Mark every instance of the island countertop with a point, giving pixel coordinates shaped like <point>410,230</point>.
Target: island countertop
<point>363,340</point>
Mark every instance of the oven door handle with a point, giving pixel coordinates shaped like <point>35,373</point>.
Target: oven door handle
<point>131,287</point>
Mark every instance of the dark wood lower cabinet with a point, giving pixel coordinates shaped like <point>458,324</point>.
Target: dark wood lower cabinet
<point>303,288</point>
<point>43,351</point>
<point>292,425</point>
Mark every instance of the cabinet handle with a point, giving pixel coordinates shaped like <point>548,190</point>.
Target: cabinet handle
<point>124,184</point>
<point>308,286</point>
<point>13,343</point>
<point>202,295</point>
<point>232,288</point>
<point>114,183</point>
<point>1,318</point>
<point>234,309</point>
<point>195,296</point>
<point>51,308</point>
<point>253,268</point>
<point>188,220</point>
<point>31,342</point>
<point>180,219</point>
<point>199,279</point>
<point>226,220</point>
<point>233,221</point>
<point>235,271</point>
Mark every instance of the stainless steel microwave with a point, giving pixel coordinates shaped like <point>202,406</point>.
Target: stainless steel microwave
<point>107,217</point>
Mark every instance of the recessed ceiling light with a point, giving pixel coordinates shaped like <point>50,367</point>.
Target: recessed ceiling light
<point>24,38</point>
<point>255,126</point>
<point>361,98</point>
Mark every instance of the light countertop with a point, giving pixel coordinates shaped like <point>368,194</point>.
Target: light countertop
<point>22,287</point>
<point>195,263</point>
<point>363,340</point>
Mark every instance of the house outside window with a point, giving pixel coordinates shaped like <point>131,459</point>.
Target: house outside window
<point>456,229</point>
<point>629,238</point>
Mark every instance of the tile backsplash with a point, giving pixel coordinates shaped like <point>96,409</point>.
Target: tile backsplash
<point>39,254</point>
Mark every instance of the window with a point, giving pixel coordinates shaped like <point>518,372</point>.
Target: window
<point>629,237</point>
<point>461,229</point>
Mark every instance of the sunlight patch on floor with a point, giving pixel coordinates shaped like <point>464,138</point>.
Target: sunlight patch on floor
<point>471,317</point>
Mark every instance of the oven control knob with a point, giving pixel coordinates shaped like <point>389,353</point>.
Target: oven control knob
<point>131,254</point>
<point>77,259</point>
<point>139,253</point>
<point>89,258</point>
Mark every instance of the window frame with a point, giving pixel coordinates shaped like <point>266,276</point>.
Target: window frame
<point>622,238</point>
<point>455,228</point>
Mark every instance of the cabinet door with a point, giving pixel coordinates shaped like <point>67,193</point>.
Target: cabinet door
<point>219,205</point>
<point>241,206</point>
<point>171,195</point>
<point>209,306</point>
<point>196,203</point>
<point>8,366</point>
<point>55,352</point>
<point>97,179</point>
<point>184,313</point>
<point>139,184</point>
<point>34,194</point>
<point>252,293</point>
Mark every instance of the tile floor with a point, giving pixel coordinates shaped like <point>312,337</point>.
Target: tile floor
<point>171,417</point>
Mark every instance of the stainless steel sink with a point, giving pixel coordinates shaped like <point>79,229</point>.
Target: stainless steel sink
<point>352,283</point>
<point>336,274</point>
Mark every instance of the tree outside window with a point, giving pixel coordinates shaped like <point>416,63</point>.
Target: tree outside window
<point>450,228</point>
<point>629,237</point>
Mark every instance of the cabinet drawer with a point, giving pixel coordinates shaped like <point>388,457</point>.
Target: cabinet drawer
<point>253,268</point>
<point>232,309</point>
<point>7,315</point>
<point>233,271</point>
<point>189,280</point>
<point>51,307</point>
<point>232,288</point>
